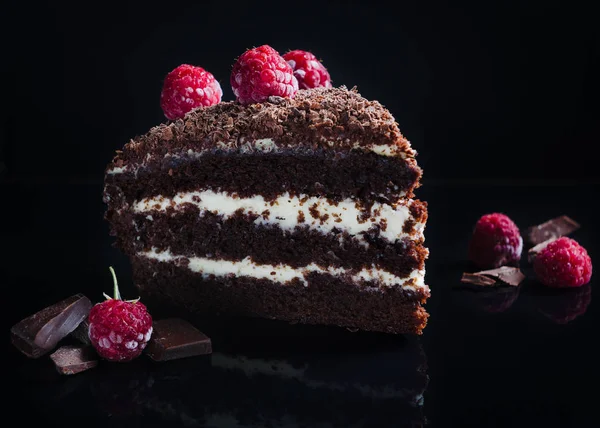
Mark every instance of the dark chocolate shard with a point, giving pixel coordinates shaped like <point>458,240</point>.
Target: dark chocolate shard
<point>81,333</point>
<point>477,279</point>
<point>534,251</point>
<point>552,229</point>
<point>175,338</point>
<point>39,333</point>
<point>505,275</point>
<point>72,359</point>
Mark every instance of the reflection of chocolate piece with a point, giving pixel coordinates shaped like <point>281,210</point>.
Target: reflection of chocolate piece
<point>39,333</point>
<point>81,333</point>
<point>534,251</point>
<point>564,305</point>
<point>175,338</point>
<point>498,300</point>
<point>74,359</point>
<point>503,275</point>
<point>552,229</point>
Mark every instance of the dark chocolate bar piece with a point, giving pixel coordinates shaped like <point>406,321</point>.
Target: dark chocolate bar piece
<point>39,333</point>
<point>174,338</point>
<point>552,229</point>
<point>81,333</point>
<point>534,251</point>
<point>72,359</point>
<point>507,275</point>
<point>477,279</point>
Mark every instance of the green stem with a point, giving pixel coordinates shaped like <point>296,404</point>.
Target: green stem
<point>116,285</point>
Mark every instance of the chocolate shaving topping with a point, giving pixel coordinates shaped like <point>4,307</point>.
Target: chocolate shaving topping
<point>312,119</point>
<point>505,275</point>
<point>552,229</point>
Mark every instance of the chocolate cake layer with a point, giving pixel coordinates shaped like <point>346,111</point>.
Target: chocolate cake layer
<point>326,299</point>
<point>235,209</point>
<point>187,233</point>
<point>335,119</point>
<point>333,175</point>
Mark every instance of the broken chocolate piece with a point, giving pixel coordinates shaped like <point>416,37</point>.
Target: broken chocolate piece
<point>72,359</point>
<point>176,338</point>
<point>552,229</point>
<point>81,333</point>
<point>477,279</point>
<point>39,333</point>
<point>503,275</point>
<point>534,251</point>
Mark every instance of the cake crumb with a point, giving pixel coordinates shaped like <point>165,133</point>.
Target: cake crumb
<point>383,224</point>
<point>314,212</point>
<point>408,226</point>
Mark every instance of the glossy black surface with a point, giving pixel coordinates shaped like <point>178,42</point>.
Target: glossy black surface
<point>519,357</point>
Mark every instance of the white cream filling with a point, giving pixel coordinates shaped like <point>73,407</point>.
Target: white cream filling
<point>268,145</point>
<point>386,150</point>
<point>285,211</point>
<point>284,273</point>
<point>116,170</point>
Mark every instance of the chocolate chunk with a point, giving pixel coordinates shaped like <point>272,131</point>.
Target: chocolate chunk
<point>477,279</point>
<point>176,338</point>
<point>552,229</point>
<point>534,251</point>
<point>81,333</point>
<point>503,275</point>
<point>72,359</point>
<point>39,333</point>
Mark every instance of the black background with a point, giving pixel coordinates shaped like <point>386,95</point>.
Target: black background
<point>499,99</point>
<point>483,90</point>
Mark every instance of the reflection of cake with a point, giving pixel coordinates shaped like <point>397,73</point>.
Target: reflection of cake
<point>339,395</point>
<point>383,388</point>
<point>410,389</point>
<point>295,209</point>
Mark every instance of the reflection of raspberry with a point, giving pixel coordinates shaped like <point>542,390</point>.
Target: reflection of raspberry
<point>119,330</point>
<point>260,73</point>
<point>563,263</point>
<point>308,70</point>
<point>566,305</point>
<point>188,87</point>
<point>495,242</point>
<point>498,300</point>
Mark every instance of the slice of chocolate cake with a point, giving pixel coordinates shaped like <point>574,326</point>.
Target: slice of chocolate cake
<point>294,209</point>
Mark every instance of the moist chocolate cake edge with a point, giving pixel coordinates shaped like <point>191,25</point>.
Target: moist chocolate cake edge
<point>365,176</point>
<point>238,237</point>
<point>326,300</point>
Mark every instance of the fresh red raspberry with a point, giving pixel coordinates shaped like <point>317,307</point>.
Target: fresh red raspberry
<point>119,330</point>
<point>563,263</point>
<point>308,70</point>
<point>188,87</point>
<point>495,242</point>
<point>260,73</point>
